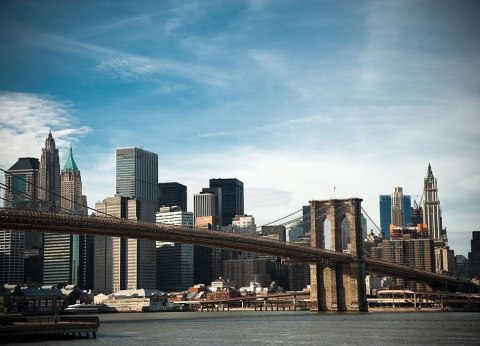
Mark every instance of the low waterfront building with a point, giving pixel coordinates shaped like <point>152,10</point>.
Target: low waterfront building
<point>33,301</point>
<point>139,300</point>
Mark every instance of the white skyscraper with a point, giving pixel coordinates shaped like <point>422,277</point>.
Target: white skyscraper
<point>432,214</point>
<point>397,207</point>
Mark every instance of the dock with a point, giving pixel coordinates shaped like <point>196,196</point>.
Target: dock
<point>32,327</point>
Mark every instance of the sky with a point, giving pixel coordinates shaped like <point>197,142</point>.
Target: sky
<point>300,100</point>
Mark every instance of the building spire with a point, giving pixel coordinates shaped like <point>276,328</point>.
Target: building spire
<point>429,176</point>
<point>70,164</point>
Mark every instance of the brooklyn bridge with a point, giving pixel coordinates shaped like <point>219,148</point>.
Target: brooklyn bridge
<point>337,278</point>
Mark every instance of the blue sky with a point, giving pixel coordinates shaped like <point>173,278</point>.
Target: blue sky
<point>291,97</point>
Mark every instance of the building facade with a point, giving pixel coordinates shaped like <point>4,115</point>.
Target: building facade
<point>432,214</point>
<point>137,179</point>
<point>394,208</point>
<point>49,175</point>
<point>68,258</point>
<point>473,264</point>
<point>17,248</point>
<point>172,194</point>
<point>208,203</point>
<point>137,174</point>
<point>244,224</point>
<point>416,253</point>
<point>175,266</point>
<point>445,261</point>
<point>123,263</point>
<point>232,198</point>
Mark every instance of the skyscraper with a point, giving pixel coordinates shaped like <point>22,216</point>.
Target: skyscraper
<point>123,263</point>
<point>71,187</point>
<point>232,198</point>
<point>172,195</point>
<point>207,206</point>
<point>49,174</point>
<point>137,179</point>
<point>432,214</point>
<point>385,202</point>
<point>174,260</point>
<point>137,174</point>
<point>473,265</point>
<point>21,183</point>
<point>397,207</point>
<point>208,203</point>
<point>394,208</point>
<point>68,259</point>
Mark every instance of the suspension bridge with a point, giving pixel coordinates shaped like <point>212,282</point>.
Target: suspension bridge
<point>338,278</point>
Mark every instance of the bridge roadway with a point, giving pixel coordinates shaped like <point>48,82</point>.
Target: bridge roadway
<point>41,221</point>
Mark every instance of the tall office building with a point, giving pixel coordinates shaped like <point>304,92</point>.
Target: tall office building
<point>137,174</point>
<point>123,263</point>
<point>432,214</point>
<point>397,207</point>
<point>71,187</point>
<point>207,206</point>
<point>137,179</point>
<point>208,203</point>
<point>232,198</point>
<point>18,248</point>
<point>12,257</point>
<point>67,258</point>
<point>21,183</point>
<point>49,175</point>
<point>175,264</point>
<point>387,211</point>
<point>473,265</point>
<point>172,195</point>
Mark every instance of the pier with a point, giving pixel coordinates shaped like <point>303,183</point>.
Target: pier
<point>32,327</point>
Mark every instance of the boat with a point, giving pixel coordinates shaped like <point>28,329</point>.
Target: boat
<point>81,309</point>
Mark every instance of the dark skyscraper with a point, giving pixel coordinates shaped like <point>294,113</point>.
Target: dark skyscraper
<point>49,192</point>
<point>232,198</point>
<point>473,265</point>
<point>171,195</point>
<point>22,184</point>
<point>21,188</point>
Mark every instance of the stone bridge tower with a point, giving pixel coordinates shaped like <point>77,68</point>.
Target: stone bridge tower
<point>338,287</point>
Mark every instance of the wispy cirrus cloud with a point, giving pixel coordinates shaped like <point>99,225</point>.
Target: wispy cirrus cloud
<point>126,67</point>
<point>296,124</point>
<point>25,120</point>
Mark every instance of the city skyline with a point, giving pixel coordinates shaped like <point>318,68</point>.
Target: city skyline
<point>293,100</point>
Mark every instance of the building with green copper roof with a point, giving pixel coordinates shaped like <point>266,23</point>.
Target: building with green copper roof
<point>70,165</point>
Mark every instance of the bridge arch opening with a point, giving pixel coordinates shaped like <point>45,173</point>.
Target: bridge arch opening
<point>345,235</point>
<point>327,233</point>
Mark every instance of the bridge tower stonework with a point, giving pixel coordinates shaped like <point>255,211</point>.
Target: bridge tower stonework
<point>338,287</point>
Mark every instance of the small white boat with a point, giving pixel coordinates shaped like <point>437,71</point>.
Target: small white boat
<point>81,309</point>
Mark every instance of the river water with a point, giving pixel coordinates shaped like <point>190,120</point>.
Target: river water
<point>285,328</point>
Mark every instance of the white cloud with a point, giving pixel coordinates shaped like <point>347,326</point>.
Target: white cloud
<point>25,120</point>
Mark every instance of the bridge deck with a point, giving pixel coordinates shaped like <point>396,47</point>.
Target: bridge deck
<point>41,221</point>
